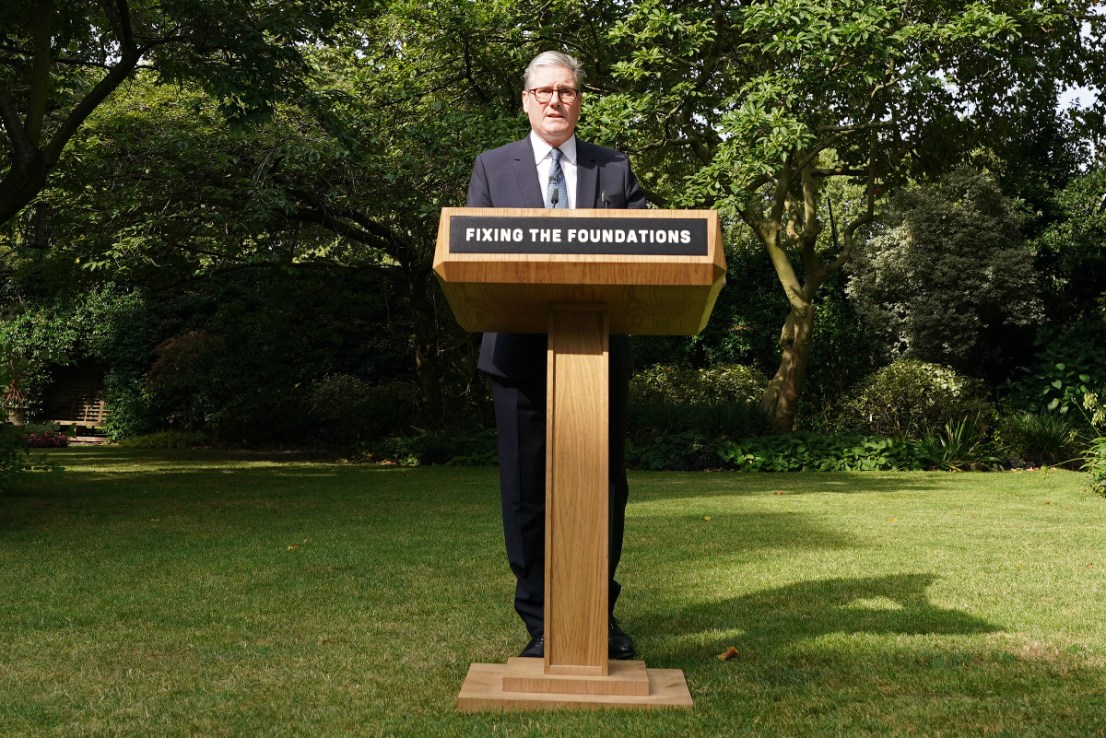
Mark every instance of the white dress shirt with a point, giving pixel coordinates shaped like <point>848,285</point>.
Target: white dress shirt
<point>568,164</point>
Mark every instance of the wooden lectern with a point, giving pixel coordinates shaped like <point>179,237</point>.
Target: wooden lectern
<point>579,276</point>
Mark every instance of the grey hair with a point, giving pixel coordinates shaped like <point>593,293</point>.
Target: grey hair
<point>555,59</point>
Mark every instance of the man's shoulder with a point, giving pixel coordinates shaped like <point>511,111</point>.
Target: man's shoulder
<point>513,150</point>
<point>598,154</point>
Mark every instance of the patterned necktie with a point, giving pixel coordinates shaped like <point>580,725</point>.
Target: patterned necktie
<point>556,194</point>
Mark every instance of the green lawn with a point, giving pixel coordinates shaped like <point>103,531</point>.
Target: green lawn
<point>201,593</point>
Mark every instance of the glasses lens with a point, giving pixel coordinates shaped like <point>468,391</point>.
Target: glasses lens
<point>545,94</point>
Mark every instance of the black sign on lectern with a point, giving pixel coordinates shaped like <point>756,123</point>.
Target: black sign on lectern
<point>506,234</point>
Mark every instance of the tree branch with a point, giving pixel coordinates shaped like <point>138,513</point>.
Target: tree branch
<point>17,135</point>
<point>40,71</point>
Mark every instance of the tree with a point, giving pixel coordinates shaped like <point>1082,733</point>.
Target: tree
<point>160,190</point>
<point>948,275</point>
<point>1072,250</point>
<point>62,59</point>
<point>753,107</point>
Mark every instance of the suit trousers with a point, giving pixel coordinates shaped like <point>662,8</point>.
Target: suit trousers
<point>520,410</point>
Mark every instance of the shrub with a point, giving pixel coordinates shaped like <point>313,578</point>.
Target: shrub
<point>475,449</point>
<point>674,385</point>
<point>168,439</point>
<point>1037,438</point>
<point>1096,465</point>
<point>803,451</point>
<point>1070,364</point>
<point>47,439</point>
<point>948,278</point>
<point>723,400</point>
<point>131,411</point>
<point>685,451</point>
<point>909,398</point>
<point>346,409</point>
<point>13,452</point>
<point>959,446</point>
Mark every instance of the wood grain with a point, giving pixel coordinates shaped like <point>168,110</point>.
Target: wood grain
<point>576,528</point>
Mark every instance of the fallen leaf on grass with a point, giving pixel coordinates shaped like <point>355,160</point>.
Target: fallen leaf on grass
<point>294,547</point>
<point>728,654</point>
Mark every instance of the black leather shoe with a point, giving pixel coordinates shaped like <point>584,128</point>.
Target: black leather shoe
<point>535,649</point>
<point>620,646</point>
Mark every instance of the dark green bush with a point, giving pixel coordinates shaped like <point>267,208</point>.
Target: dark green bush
<point>13,452</point>
<point>909,398</point>
<point>959,446</point>
<point>345,408</point>
<point>685,451</point>
<point>676,385</point>
<point>723,400</point>
<point>821,452</point>
<point>128,400</point>
<point>1037,438</point>
<point>169,439</point>
<point>472,449</point>
<point>1070,363</point>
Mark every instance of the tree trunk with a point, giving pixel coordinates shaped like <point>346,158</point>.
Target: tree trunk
<point>24,180</point>
<point>782,395</point>
<point>426,350</point>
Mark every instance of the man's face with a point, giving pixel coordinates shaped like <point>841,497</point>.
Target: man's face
<point>555,120</point>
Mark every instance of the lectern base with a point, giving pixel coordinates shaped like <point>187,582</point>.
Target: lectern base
<point>521,684</point>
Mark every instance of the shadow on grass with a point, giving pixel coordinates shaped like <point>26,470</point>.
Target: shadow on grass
<point>774,620</point>
<point>874,655</point>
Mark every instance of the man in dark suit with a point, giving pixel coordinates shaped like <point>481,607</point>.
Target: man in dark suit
<point>549,168</point>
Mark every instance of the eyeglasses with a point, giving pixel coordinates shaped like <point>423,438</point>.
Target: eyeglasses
<point>545,94</point>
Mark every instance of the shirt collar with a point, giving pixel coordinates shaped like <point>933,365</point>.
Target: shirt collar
<point>542,149</point>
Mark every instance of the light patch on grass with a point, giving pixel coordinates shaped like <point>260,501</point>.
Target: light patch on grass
<point>874,603</point>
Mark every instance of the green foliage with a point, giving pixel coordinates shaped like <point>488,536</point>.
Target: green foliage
<point>681,451</point>
<point>754,108</point>
<point>1038,438</point>
<point>909,398</point>
<point>676,385</point>
<point>130,412</point>
<point>1096,466</point>
<point>949,278</point>
<point>63,60</point>
<point>453,449</point>
<point>802,451</point>
<point>743,325</point>
<point>13,452</point>
<point>168,439</point>
<point>1069,364</point>
<point>29,343</point>
<point>1072,249</point>
<point>960,446</point>
<point>673,407</point>
<point>347,409</point>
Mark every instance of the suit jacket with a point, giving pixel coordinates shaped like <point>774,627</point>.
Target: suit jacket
<point>506,178</point>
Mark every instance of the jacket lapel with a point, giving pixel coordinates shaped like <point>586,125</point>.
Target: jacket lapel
<point>587,176</point>
<point>528,188</point>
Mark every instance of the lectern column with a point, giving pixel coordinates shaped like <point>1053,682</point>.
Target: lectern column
<point>576,496</point>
